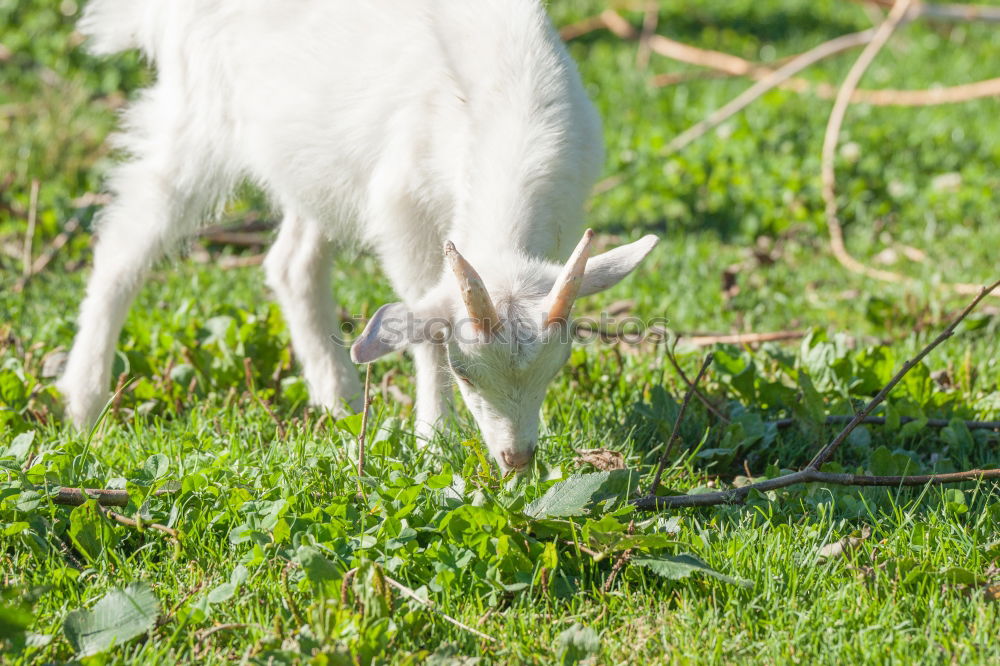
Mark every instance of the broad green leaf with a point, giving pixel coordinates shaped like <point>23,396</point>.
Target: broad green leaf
<point>577,643</point>
<point>156,466</point>
<point>91,532</point>
<point>320,571</point>
<point>14,621</point>
<point>220,593</point>
<point>958,576</point>
<point>20,446</point>
<point>954,502</point>
<point>569,497</point>
<point>116,619</point>
<point>677,567</point>
<point>12,390</point>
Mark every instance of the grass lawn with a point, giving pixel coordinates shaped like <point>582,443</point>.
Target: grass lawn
<point>264,491</point>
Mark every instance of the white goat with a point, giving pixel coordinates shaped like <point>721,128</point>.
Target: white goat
<point>390,124</point>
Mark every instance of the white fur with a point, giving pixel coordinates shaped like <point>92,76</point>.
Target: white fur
<point>390,124</point>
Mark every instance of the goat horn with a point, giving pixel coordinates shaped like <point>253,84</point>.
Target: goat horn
<point>477,299</point>
<point>560,300</point>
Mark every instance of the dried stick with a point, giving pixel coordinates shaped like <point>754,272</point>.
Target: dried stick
<point>880,420</point>
<point>582,27</point>
<point>669,445</point>
<point>769,82</point>
<point>434,609</point>
<point>691,387</point>
<point>364,424</point>
<point>832,135</point>
<point>930,97</point>
<point>408,592</point>
<point>104,496</point>
<point>742,338</point>
<point>949,12</point>
<point>726,64</point>
<point>738,495</point>
<point>812,474</point>
<point>649,22</point>
<point>830,448</point>
<point>29,235</point>
<point>607,334</point>
<point>125,520</point>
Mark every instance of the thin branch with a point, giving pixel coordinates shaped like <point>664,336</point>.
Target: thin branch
<point>932,96</point>
<point>960,12</point>
<point>430,605</point>
<point>202,634</point>
<point>948,12</point>
<point>104,496</point>
<point>125,520</point>
<point>771,81</point>
<point>725,64</point>
<point>881,420</point>
<point>738,495</point>
<point>669,445</point>
<point>882,34</point>
<point>691,387</point>
<point>830,139</point>
<point>582,27</point>
<point>748,339</point>
<point>649,22</point>
<point>830,448</point>
<point>610,334</point>
<point>812,474</point>
<point>364,424</point>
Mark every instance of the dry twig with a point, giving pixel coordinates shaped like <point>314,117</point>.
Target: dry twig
<point>882,34</point>
<point>434,609</point>
<point>832,135</point>
<point>738,495</point>
<point>742,339</point>
<point>649,22</point>
<point>104,496</point>
<point>948,12</point>
<point>830,448</point>
<point>364,424</point>
<point>881,420</point>
<point>691,387</point>
<point>812,473</point>
<point>410,593</point>
<point>129,522</point>
<point>769,82</point>
<point>669,445</point>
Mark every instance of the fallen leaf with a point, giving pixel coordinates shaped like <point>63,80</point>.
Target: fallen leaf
<point>603,459</point>
<point>842,546</point>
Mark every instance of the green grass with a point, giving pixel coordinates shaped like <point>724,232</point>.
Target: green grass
<point>270,524</point>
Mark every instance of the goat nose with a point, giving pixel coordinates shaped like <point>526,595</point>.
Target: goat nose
<point>517,459</point>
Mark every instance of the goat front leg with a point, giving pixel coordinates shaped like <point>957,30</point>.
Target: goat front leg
<point>298,269</point>
<point>147,216</point>
<point>434,400</point>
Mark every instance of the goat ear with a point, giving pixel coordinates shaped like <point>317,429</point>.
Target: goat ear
<point>384,334</point>
<point>608,269</point>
